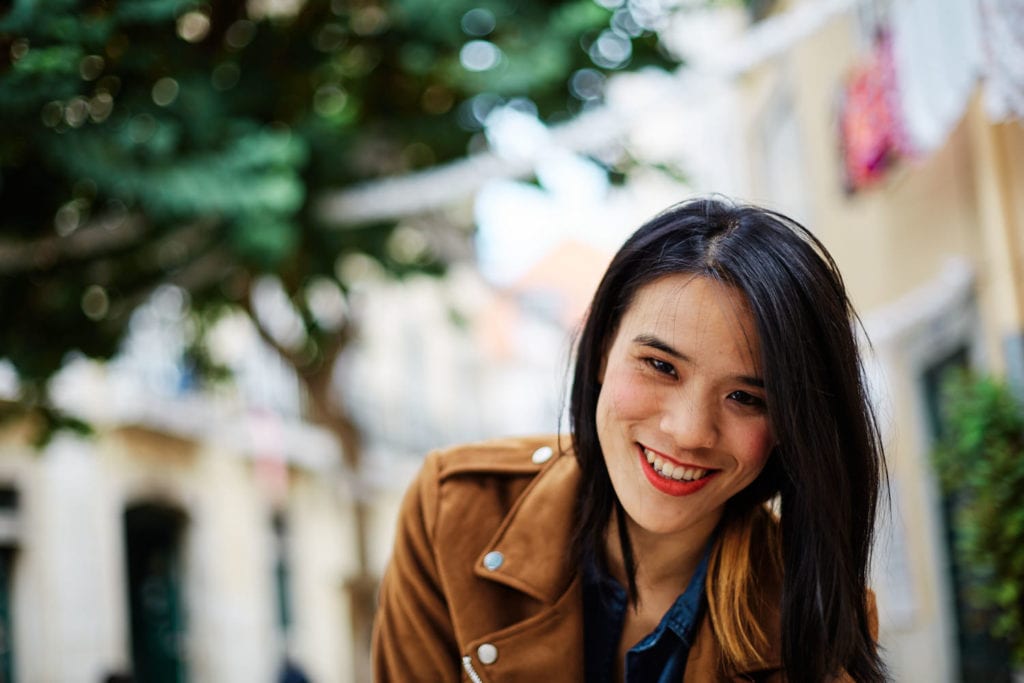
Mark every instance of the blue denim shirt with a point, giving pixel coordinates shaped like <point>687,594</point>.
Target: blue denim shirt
<point>659,657</point>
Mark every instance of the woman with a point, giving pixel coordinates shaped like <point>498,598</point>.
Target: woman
<point>717,370</point>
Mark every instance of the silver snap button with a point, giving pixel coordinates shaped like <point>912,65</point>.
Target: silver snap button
<point>487,653</point>
<point>493,560</point>
<point>542,455</point>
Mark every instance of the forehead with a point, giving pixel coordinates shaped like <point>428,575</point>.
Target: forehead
<point>684,309</point>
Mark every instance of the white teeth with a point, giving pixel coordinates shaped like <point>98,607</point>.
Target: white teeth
<point>695,473</point>
<point>670,471</point>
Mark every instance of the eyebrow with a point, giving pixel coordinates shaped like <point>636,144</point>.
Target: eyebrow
<point>659,344</point>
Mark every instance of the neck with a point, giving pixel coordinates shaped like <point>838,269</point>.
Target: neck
<point>664,563</point>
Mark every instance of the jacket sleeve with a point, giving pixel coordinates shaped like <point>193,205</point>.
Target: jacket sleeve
<point>413,638</point>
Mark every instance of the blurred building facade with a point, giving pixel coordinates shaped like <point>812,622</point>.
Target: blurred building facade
<point>891,131</point>
<point>193,536</point>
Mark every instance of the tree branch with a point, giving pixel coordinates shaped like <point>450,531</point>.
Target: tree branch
<point>194,277</point>
<point>98,237</point>
<point>290,356</point>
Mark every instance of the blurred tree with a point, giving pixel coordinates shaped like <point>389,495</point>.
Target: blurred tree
<point>146,142</point>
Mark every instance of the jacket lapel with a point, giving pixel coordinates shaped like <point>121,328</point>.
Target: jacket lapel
<point>534,541</point>
<point>535,538</point>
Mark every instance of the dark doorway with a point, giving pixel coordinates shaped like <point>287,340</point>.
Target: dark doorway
<point>153,536</point>
<point>9,505</point>
<point>7,554</point>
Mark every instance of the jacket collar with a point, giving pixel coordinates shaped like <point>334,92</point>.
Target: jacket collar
<point>535,539</point>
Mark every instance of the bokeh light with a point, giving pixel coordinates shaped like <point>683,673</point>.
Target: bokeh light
<point>478,22</point>
<point>193,26</point>
<point>479,55</point>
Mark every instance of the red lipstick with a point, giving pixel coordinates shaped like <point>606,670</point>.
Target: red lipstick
<point>672,487</point>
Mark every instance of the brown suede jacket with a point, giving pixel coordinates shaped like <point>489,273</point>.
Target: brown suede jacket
<point>481,586</point>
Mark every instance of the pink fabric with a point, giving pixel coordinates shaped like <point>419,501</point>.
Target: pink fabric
<point>871,128</point>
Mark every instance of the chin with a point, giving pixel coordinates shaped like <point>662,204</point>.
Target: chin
<point>665,522</point>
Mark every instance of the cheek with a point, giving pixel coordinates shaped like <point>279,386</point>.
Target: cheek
<point>756,443</point>
<point>625,398</point>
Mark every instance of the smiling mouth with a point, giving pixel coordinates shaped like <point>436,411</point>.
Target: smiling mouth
<point>670,477</point>
<point>670,470</point>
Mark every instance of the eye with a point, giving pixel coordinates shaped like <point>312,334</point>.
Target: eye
<point>661,366</point>
<point>746,399</point>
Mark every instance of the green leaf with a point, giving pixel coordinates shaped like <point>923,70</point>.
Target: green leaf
<point>265,240</point>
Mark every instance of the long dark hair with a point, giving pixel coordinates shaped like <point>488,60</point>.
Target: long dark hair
<point>827,467</point>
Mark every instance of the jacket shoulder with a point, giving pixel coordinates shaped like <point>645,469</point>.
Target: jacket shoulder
<point>518,456</point>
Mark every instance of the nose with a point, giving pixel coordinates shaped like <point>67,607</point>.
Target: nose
<point>691,420</point>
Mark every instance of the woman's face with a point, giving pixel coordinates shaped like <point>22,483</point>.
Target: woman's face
<point>681,415</point>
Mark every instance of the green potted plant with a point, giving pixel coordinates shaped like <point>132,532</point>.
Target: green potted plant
<point>980,462</point>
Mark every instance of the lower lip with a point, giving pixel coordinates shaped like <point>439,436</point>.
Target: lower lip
<point>672,487</point>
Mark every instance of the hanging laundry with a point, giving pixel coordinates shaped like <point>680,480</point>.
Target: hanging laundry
<point>870,121</point>
<point>937,56</point>
<point>1002,35</point>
